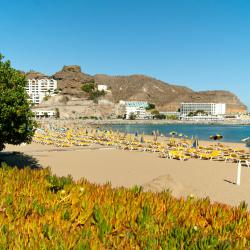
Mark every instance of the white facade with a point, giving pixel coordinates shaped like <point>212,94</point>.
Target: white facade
<point>44,113</point>
<point>37,89</point>
<point>137,108</point>
<point>139,112</point>
<point>102,88</point>
<point>203,118</point>
<point>209,108</point>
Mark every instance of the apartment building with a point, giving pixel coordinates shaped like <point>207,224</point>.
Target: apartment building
<point>37,89</point>
<point>136,108</point>
<point>209,108</point>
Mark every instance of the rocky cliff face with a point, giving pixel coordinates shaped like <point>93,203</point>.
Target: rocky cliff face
<point>70,79</point>
<point>167,97</point>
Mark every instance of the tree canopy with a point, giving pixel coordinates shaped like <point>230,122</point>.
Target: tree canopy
<point>16,118</point>
<point>150,106</point>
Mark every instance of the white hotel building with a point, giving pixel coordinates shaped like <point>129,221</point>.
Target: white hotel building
<point>137,108</point>
<point>37,89</point>
<point>213,109</point>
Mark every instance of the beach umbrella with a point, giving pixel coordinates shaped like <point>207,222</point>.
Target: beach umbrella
<point>142,139</point>
<point>247,141</point>
<point>195,142</point>
<point>173,133</point>
<point>154,135</point>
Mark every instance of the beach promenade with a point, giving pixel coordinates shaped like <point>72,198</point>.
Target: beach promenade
<point>101,164</point>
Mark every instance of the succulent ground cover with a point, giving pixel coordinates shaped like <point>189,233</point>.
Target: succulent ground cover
<point>41,211</point>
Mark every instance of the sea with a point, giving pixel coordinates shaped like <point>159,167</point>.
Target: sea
<point>230,133</point>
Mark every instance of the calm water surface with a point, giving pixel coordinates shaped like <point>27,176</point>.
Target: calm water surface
<point>231,133</point>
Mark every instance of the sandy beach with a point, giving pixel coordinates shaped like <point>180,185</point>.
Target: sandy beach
<point>200,178</point>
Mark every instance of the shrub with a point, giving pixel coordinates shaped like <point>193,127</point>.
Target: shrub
<point>42,211</point>
<point>88,87</point>
<point>172,117</point>
<point>159,116</point>
<point>132,116</point>
<point>94,95</point>
<point>150,106</point>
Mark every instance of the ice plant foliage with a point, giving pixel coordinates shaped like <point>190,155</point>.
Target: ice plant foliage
<point>42,211</point>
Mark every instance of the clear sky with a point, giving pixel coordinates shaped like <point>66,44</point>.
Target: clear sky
<point>202,44</point>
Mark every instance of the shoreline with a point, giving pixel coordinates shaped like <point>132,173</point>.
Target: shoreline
<point>146,122</point>
<point>156,122</point>
<point>104,124</point>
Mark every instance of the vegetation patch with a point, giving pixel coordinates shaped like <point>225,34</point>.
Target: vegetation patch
<point>94,94</point>
<point>39,210</point>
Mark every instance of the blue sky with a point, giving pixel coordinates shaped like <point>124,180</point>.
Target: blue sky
<point>202,44</point>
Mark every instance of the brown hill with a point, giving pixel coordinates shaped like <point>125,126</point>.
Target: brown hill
<point>35,75</point>
<point>167,97</point>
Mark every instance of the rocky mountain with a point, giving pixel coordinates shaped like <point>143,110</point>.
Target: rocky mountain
<point>70,79</point>
<point>34,75</point>
<point>167,97</point>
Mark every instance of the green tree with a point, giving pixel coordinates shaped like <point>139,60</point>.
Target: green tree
<point>88,87</point>
<point>159,117</point>
<point>16,118</point>
<point>94,95</point>
<point>132,116</point>
<point>150,106</point>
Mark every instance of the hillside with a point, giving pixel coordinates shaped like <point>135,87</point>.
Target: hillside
<point>167,97</point>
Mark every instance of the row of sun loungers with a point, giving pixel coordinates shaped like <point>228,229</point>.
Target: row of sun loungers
<point>172,149</point>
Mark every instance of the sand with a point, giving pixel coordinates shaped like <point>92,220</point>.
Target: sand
<point>200,178</point>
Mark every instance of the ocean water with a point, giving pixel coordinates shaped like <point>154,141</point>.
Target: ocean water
<point>231,133</point>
